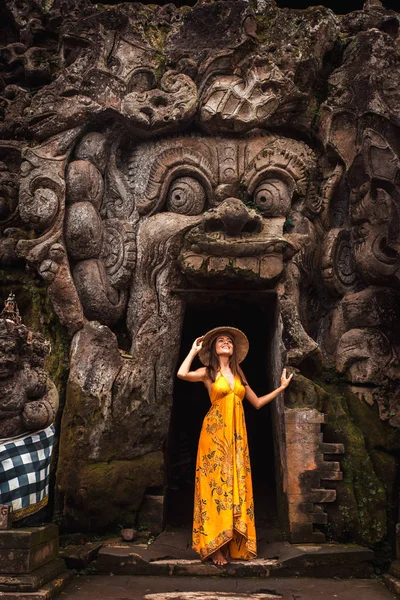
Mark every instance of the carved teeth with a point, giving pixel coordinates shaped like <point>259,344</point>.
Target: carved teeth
<point>268,267</point>
<point>271,267</point>
<point>218,263</point>
<point>193,262</point>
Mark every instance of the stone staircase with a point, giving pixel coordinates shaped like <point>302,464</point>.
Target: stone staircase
<point>170,555</point>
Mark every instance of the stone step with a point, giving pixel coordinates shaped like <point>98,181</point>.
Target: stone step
<point>286,560</point>
<point>50,590</point>
<point>392,583</point>
<point>29,582</point>
<point>211,596</point>
<point>26,550</point>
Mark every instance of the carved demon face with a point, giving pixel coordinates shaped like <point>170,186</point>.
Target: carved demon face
<point>237,195</point>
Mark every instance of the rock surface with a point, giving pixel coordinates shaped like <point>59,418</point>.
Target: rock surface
<point>142,154</point>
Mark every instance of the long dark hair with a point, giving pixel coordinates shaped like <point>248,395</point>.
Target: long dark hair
<point>213,366</point>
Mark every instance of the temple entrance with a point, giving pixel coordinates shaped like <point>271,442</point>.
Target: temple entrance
<point>256,314</point>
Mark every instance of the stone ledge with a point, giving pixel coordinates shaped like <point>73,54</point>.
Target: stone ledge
<point>328,560</point>
<point>80,556</point>
<point>208,595</point>
<point>331,448</point>
<point>28,537</point>
<point>29,582</point>
<point>133,564</point>
<point>323,560</point>
<point>26,560</point>
<point>49,591</point>
<point>395,568</point>
<point>392,583</point>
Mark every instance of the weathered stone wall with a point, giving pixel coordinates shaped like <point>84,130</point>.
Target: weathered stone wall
<point>148,148</point>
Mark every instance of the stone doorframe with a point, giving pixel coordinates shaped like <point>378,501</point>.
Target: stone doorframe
<point>302,460</point>
<point>302,463</point>
<point>307,467</point>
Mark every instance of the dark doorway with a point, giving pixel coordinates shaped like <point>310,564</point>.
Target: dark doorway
<point>256,314</point>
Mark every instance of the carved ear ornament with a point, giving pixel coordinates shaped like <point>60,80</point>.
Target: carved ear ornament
<point>39,204</point>
<point>384,252</point>
<point>380,160</point>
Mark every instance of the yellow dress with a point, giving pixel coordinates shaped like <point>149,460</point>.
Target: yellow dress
<point>223,501</point>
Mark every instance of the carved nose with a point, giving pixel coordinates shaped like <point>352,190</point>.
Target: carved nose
<point>233,218</point>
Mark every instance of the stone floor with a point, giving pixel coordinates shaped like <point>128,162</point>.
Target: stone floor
<point>141,571</point>
<point>170,554</point>
<point>119,587</point>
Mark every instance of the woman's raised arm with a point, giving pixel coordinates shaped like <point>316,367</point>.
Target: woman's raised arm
<point>184,371</point>
<point>258,402</point>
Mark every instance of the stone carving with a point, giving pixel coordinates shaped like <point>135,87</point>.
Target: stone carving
<point>305,447</point>
<point>29,399</point>
<point>5,516</point>
<point>158,110</point>
<point>156,157</point>
<point>245,100</point>
<point>338,263</point>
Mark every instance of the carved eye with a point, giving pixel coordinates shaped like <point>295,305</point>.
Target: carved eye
<point>186,196</point>
<point>273,197</point>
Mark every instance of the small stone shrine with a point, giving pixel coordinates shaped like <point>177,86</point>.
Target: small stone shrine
<point>28,405</point>
<point>164,170</point>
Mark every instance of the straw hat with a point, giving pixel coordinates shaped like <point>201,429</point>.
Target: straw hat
<point>239,339</point>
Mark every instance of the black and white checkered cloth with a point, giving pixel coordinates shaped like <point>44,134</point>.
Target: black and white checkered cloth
<point>24,471</point>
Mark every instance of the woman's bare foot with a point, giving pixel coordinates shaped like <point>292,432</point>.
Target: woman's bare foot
<point>225,552</point>
<point>218,558</point>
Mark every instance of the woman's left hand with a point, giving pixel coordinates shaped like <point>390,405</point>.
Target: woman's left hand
<point>285,380</point>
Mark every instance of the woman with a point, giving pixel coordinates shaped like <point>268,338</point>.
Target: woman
<point>223,521</point>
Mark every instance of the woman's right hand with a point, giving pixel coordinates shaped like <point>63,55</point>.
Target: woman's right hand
<point>197,345</point>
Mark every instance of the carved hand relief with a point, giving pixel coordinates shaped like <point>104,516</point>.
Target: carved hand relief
<point>103,251</point>
<point>338,262</point>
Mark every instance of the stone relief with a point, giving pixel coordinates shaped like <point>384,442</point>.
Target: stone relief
<point>157,156</point>
<point>29,399</point>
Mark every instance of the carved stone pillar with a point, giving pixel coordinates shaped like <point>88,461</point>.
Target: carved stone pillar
<point>306,468</point>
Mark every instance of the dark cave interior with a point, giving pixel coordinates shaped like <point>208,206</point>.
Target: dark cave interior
<point>256,315</point>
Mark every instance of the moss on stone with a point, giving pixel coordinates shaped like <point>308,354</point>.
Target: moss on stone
<point>111,491</point>
<point>366,417</point>
<point>37,313</point>
<point>359,513</point>
<point>264,26</point>
<point>156,35</point>
<point>366,498</point>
